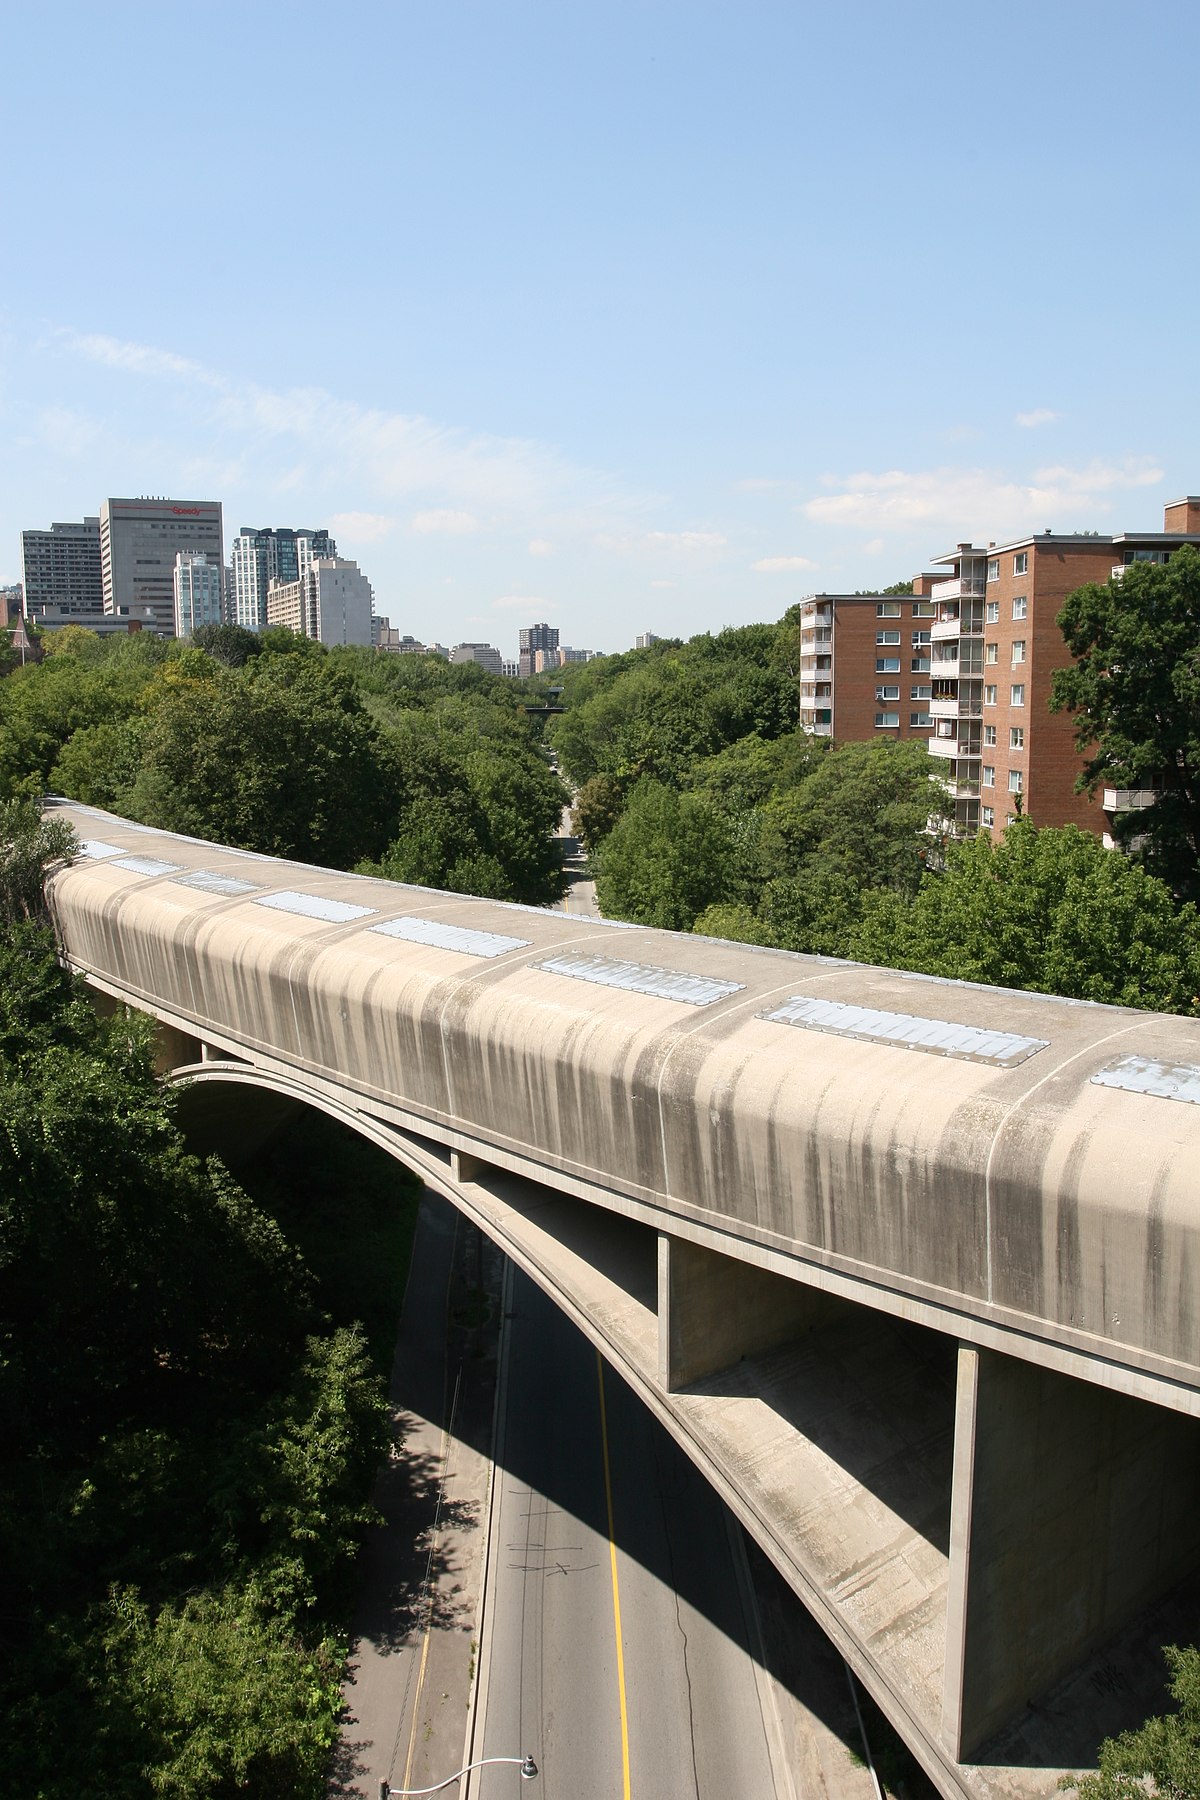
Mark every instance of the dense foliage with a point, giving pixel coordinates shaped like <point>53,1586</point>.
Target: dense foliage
<point>190,1411</point>
<point>270,743</point>
<point>1135,690</point>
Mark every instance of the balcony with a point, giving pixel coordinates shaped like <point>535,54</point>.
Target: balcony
<point>1123,800</point>
<point>944,709</point>
<point>811,640</point>
<point>945,631</point>
<point>815,615</point>
<point>962,587</point>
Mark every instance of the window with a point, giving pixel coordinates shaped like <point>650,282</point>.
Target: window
<point>989,736</point>
<point>993,568</point>
<point>920,693</point>
<point>887,637</point>
<point>887,720</point>
<point>1021,563</point>
<point>887,609</point>
<point>924,609</point>
<point>991,653</point>
<point>987,815</point>
<point>989,775</point>
<point>1018,650</point>
<point>919,665</point>
<point>917,719</point>
<point>1021,606</point>
<point>991,612</point>
<point>1018,693</point>
<point>1016,737</point>
<point>989,695</point>
<point>887,665</point>
<point>920,637</point>
<point>1016,781</point>
<point>887,693</point>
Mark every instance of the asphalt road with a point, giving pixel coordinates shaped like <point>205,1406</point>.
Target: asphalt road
<point>618,1643</point>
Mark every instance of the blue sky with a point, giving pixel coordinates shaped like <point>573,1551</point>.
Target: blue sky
<point>632,317</point>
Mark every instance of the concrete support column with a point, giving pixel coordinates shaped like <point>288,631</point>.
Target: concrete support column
<point>713,1310</point>
<point>1072,1510</point>
<point>175,1049</point>
<point>465,1167</point>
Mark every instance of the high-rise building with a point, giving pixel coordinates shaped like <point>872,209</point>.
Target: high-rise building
<point>139,541</point>
<point>330,601</point>
<point>486,655</point>
<point>644,639</point>
<point>61,569</point>
<point>199,592</point>
<point>273,553</point>
<point>966,661</point>
<point>533,639</point>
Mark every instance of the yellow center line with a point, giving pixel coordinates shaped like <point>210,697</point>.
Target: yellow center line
<point>616,1592</point>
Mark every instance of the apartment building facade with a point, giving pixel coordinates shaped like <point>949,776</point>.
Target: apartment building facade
<point>61,570</point>
<point>331,601</point>
<point>271,553</point>
<point>989,634</point>
<point>534,638</point>
<point>199,592</point>
<point>865,664</point>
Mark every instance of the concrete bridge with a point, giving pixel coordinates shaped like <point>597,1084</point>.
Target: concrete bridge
<point>907,1266</point>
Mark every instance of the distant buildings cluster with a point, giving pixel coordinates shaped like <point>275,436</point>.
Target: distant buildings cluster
<point>156,564</point>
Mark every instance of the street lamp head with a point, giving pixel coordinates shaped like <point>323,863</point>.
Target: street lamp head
<point>529,1770</point>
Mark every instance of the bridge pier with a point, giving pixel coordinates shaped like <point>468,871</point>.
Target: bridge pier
<point>1073,1508</point>
<point>713,1310</point>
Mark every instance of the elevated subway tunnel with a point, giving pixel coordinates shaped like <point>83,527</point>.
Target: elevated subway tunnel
<point>831,1432</point>
<point>836,1267</point>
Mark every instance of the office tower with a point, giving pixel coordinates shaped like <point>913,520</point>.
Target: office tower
<point>199,592</point>
<point>533,639</point>
<point>61,570</point>
<point>273,553</point>
<point>330,601</point>
<point>139,541</point>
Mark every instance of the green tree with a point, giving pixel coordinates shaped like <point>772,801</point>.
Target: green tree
<point>1162,1757</point>
<point>231,645</point>
<point>1047,909</point>
<point>30,846</point>
<point>1134,689</point>
<point>667,859</point>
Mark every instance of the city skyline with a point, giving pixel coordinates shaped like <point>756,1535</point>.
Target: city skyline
<point>685,314</point>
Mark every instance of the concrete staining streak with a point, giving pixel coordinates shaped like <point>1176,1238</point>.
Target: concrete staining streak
<point>1142,1075</point>
<point>1003,1049</point>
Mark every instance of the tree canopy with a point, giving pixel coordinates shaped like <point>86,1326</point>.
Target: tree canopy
<point>271,743</point>
<point>1134,688</point>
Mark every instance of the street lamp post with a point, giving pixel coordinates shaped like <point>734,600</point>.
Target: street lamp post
<point>528,1768</point>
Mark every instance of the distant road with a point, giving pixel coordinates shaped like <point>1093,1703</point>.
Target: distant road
<point>682,1713</point>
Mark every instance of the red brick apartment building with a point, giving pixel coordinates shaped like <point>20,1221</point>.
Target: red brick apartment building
<point>966,662</point>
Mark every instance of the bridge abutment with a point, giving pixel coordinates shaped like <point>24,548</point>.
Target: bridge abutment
<point>1073,1509</point>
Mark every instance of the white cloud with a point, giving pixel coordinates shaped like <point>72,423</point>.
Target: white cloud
<point>976,502</point>
<point>778,565</point>
<point>363,527</point>
<point>529,603</point>
<point>333,445</point>
<point>445,520</point>
<point>540,547</point>
<point>138,359</point>
<point>874,546</point>
<point>1040,415</point>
